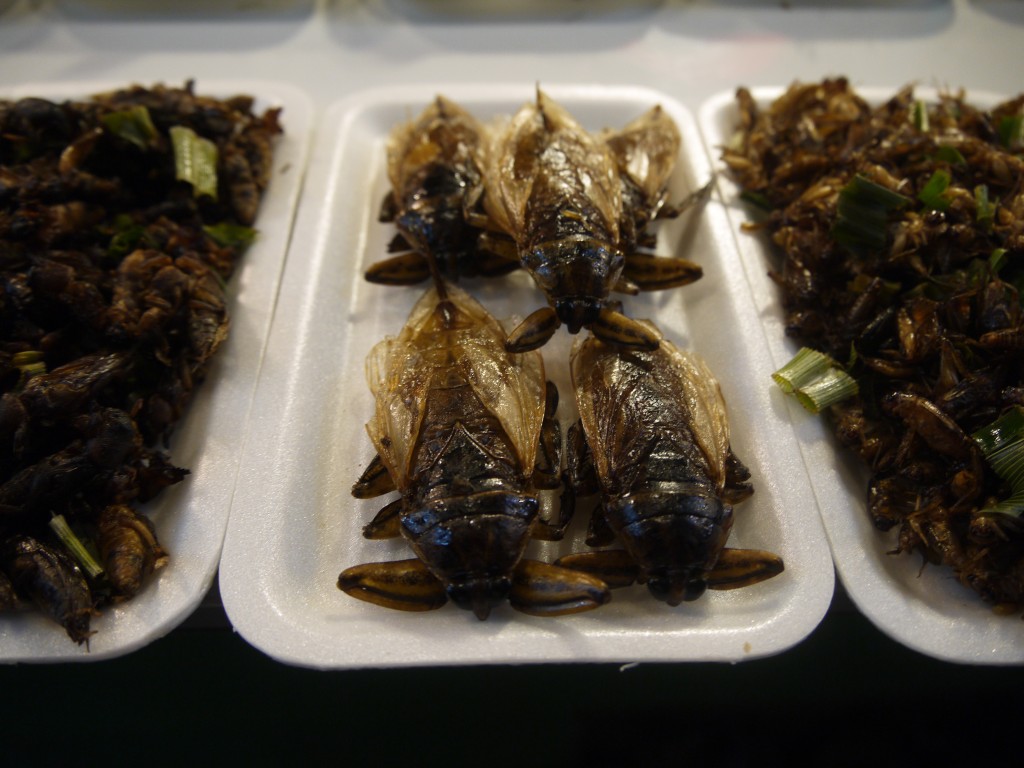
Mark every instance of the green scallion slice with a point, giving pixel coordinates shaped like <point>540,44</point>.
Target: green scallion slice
<point>815,379</point>
<point>833,386</point>
<point>757,199</point>
<point>133,125</point>
<point>195,160</point>
<point>985,209</point>
<point>29,363</point>
<point>75,546</point>
<point>1011,131</point>
<point>231,235</point>
<point>951,155</point>
<point>1002,445</point>
<point>919,115</point>
<point>933,194</point>
<point>862,213</point>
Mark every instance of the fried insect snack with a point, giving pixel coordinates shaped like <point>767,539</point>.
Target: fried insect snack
<point>898,233</point>
<point>122,217</point>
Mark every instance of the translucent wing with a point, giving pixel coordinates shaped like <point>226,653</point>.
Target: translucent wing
<point>646,151</point>
<point>441,340</point>
<point>627,398</point>
<point>544,164</point>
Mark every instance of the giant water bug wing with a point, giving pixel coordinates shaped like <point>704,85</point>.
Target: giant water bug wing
<point>511,386</point>
<point>646,151</point>
<point>545,165</point>
<point>399,373</point>
<point>460,340</point>
<point>444,135</point>
<point>626,398</point>
<point>699,390</point>
<point>606,380</point>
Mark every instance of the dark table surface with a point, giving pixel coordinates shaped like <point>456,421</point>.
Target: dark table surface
<point>846,696</point>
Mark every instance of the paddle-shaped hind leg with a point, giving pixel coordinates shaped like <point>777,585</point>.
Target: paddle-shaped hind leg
<point>742,567</point>
<point>405,585</point>
<point>541,589</point>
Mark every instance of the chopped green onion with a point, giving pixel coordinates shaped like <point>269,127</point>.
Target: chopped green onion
<point>1002,444</point>
<point>934,191</point>
<point>950,155</point>
<point>863,213</point>
<point>806,365</point>
<point>919,115</point>
<point>985,209</point>
<point>125,241</point>
<point>815,379</point>
<point>27,357</point>
<point>195,160</point>
<point>1011,131</point>
<point>75,546</point>
<point>834,386</point>
<point>29,363</point>
<point>133,125</point>
<point>996,260</point>
<point>757,199</point>
<point>231,235</point>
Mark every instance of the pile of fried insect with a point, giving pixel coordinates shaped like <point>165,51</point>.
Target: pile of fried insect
<point>465,426</point>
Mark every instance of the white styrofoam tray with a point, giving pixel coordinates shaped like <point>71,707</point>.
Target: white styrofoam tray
<point>924,608</point>
<point>191,517</point>
<point>294,524</point>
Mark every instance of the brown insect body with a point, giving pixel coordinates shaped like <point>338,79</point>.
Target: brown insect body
<point>51,580</point>
<point>653,438</point>
<point>577,207</point>
<point>457,428</point>
<point>435,167</point>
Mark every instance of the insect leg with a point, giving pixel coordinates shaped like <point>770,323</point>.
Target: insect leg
<point>549,446</point>
<point>405,585</point>
<point>742,567</point>
<point>615,328</point>
<point>541,589</point>
<point>386,524</point>
<point>534,332</point>
<point>658,273</point>
<point>404,269</point>
<point>612,566</point>
<point>375,481</point>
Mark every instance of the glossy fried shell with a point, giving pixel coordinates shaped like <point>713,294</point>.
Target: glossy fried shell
<point>465,432</point>
<point>629,401</point>
<point>466,343</point>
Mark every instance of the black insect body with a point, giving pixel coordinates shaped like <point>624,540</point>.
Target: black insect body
<point>435,168</point>
<point>653,439</point>
<point>557,192</point>
<point>465,431</point>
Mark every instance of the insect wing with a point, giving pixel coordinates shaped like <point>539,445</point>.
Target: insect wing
<point>618,390</point>
<point>699,390</point>
<point>604,381</point>
<point>443,133</point>
<point>646,151</point>
<point>463,341</point>
<point>510,386</point>
<point>545,158</point>
<point>399,376</point>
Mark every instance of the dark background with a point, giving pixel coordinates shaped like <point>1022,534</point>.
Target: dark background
<point>846,696</point>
